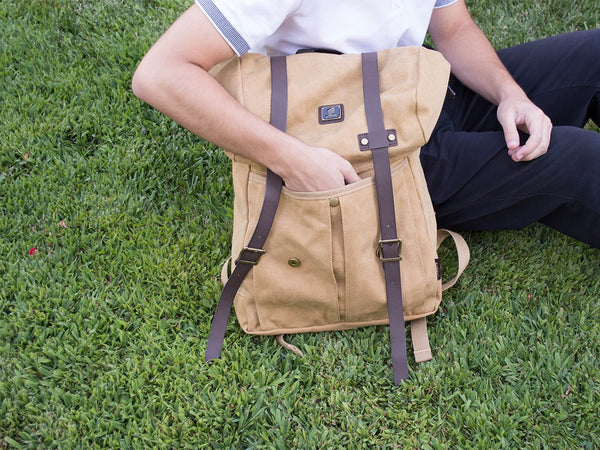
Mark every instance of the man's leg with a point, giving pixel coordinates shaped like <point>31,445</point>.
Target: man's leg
<point>473,182</point>
<point>474,185</point>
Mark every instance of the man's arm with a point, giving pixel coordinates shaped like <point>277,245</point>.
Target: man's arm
<point>475,63</point>
<point>173,78</point>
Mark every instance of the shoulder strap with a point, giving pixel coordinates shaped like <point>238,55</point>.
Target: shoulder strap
<point>462,249</point>
<point>420,339</point>
<point>250,254</point>
<point>418,327</point>
<point>378,139</point>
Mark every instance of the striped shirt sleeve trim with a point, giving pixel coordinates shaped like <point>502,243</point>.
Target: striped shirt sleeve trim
<point>235,39</point>
<point>441,3</point>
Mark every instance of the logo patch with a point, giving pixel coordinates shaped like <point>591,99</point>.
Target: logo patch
<point>331,113</point>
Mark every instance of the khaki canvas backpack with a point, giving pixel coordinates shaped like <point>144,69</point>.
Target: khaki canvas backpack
<point>364,254</point>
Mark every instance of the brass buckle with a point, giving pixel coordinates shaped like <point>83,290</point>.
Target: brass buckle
<point>258,251</point>
<point>383,242</point>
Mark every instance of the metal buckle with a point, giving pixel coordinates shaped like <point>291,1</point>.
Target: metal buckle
<point>383,242</point>
<point>258,251</point>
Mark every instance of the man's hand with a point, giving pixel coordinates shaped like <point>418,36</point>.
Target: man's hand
<point>519,113</point>
<point>312,169</point>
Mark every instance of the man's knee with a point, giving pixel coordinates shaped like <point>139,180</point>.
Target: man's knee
<point>574,158</point>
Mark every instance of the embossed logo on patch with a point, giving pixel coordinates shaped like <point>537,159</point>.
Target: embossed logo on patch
<point>331,113</point>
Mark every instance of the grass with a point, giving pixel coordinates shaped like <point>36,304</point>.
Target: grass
<point>103,328</point>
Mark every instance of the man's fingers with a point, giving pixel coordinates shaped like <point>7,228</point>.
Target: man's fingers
<point>350,175</point>
<point>511,134</point>
<point>537,144</point>
<point>532,120</point>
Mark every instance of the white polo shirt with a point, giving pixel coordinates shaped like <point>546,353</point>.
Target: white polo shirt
<point>275,27</point>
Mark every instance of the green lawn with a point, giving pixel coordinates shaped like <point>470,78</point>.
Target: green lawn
<point>114,222</point>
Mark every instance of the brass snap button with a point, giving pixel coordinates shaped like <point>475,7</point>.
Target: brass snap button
<point>294,262</point>
<point>333,202</point>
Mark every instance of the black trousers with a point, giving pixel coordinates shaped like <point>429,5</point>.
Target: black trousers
<point>473,182</point>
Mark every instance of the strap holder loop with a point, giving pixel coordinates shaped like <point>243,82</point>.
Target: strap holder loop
<point>377,139</point>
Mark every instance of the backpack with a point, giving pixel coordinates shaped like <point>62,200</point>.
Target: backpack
<point>364,254</point>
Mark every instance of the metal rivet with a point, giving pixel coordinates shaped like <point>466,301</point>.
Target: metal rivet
<point>334,201</point>
<point>391,137</point>
<point>294,262</point>
<point>364,141</point>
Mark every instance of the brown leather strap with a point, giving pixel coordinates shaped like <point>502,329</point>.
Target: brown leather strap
<point>250,255</point>
<point>390,246</point>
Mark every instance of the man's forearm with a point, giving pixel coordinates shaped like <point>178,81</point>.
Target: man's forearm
<point>475,63</point>
<point>173,78</point>
<point>190,96</point>
<point>473,59</point>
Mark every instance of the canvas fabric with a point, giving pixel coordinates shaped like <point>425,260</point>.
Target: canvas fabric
<point>321,270</point>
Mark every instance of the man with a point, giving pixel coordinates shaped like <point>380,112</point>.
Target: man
<point>487,166</point>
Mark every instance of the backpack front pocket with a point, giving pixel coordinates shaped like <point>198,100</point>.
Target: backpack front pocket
<point>300,282</point>
<point>320,269</point>
<point>293,285</point>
